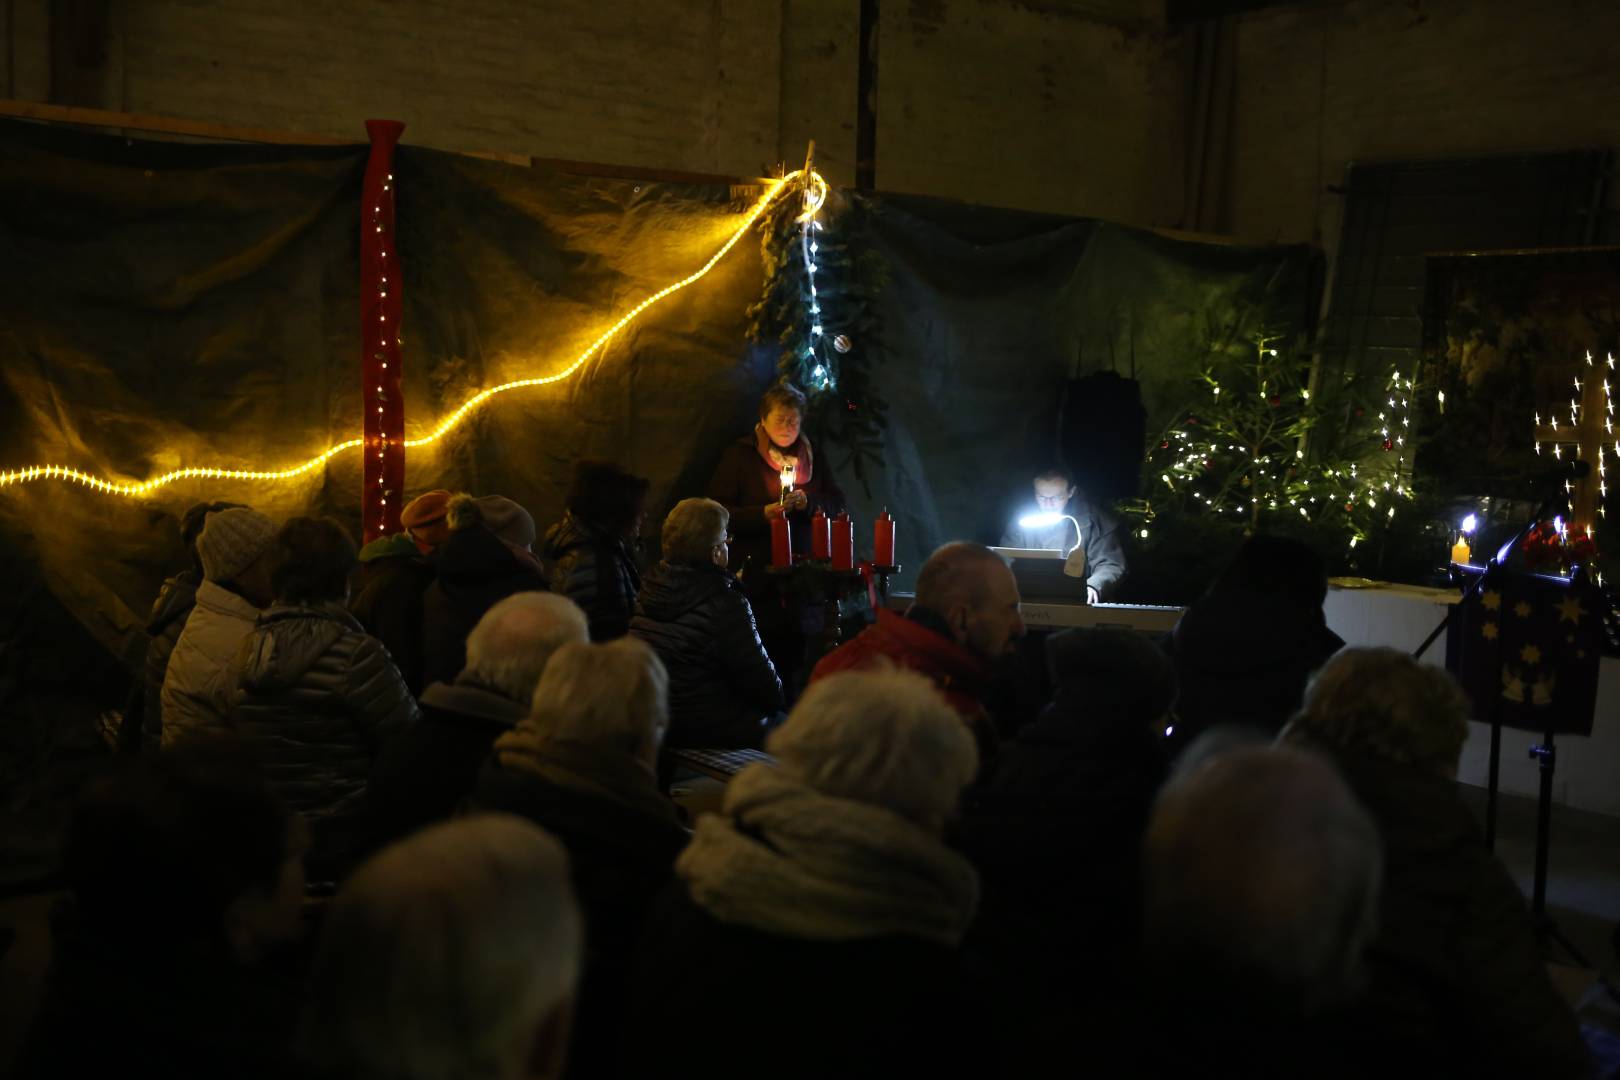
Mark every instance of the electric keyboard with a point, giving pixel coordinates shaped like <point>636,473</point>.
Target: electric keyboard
<point>1147,618</point>
<point>1042,614</point>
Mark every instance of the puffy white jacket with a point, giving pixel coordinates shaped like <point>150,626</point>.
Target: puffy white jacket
<point>197,688</point>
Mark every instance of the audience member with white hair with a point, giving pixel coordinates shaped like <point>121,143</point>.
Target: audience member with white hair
<point>454,952</point>
<point>425,773</point>
<point>723,687</point>
<point>583,765</point>
<point>820,912</point>
<point>1261,880</point>
<point>1458,984</point>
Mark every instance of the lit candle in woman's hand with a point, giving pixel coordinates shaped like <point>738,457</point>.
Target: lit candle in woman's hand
<point>786,477</point>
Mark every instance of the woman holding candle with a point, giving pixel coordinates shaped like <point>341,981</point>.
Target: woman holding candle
<point>752,481</point>
<point>770,474</point>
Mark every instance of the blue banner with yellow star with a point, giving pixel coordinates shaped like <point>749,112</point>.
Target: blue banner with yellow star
<point>1526,649</point>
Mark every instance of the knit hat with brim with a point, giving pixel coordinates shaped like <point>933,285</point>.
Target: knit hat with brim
<point>233,540</point>
<point>392,546</point>
<point>507,520</point>
<point>424,519</point>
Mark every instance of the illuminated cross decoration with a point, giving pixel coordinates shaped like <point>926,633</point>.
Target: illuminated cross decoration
<point>1590,430</point>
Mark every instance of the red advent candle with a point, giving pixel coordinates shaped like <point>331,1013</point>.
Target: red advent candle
<point>843,542</point>
<point>820,536</point>
<point>781,542</point>
<point>883,540</point>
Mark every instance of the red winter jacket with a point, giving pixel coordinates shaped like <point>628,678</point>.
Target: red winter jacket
<point>960,675</point>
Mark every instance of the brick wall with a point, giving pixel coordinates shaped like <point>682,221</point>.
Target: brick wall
<point>1066,105</point>
<point>1380,80</point>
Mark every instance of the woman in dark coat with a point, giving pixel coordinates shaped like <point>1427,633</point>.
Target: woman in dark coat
<point>1244,651</point>
<point>485,558</point>
<point>747,482</point>
<point>589,553</point>
<point>722,685</point>
<point>315,696</point>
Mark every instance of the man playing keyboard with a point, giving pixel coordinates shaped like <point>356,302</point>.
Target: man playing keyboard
<point>1055,493</point>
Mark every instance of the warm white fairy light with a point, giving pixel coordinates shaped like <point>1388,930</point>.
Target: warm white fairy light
<point>815,185</point>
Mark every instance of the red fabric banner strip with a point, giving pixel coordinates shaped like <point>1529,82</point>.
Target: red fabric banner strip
<point>383,405</point>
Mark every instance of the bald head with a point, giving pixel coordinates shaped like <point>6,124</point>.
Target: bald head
<point>1261,880</point>
<point>973,590</point>
<point>509,648</point>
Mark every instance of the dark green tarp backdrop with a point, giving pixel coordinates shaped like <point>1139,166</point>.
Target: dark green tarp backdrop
<point>164,304</point>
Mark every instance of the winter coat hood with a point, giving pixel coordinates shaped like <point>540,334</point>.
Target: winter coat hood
<point>289,640</point>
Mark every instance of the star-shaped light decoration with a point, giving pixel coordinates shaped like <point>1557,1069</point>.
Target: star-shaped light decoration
<point>1512,686</point>
<point>1570,608</point>
<point>1530,654</point>
<point>1491,600</point>
<point>1522,609</point>
<point>1488,631</point>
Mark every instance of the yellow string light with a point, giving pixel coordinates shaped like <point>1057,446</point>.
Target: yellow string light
<point>817,192</point>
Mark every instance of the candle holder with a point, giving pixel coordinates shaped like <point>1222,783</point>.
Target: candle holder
<point>883,573</point>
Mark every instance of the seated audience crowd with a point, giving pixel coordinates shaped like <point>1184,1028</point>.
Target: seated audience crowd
<point>406,813</point>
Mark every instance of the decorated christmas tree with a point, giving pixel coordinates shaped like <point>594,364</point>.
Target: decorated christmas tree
<point>1263,449</point>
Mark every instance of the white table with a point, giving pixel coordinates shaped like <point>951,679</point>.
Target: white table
<point>1401,616</point>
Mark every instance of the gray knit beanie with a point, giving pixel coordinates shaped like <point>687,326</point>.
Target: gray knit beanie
<point>507,520</point>
<point>232,540</point>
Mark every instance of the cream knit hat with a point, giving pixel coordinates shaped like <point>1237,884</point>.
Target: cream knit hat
<point>232,540</point>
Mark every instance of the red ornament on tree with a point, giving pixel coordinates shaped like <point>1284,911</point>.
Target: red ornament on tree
<point>1275,401</point>
<point>1164,445</point>
<point>1389,444</point>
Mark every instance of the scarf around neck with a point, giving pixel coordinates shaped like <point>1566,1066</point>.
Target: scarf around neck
<point>799,455</point>
<point>784,859</point>
<point>587,770</point>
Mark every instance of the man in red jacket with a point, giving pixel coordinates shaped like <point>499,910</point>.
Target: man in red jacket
<point>964,619</point>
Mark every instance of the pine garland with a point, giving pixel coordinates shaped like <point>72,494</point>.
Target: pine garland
<point>832,367</point>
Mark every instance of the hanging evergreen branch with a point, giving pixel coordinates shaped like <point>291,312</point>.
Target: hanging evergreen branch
<point>826,319</point>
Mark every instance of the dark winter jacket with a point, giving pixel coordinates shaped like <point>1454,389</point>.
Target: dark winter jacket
<point>1244,657</point>
<point>1056,828</point>
<point>424,774</point>
<point>389,607</point>
<point>744,483</point>
<point>596,571</point>
<point>1099,533</point>
<point>621,854</point>
<point>721,683</point>
<point>1458,986</point>
<point>315,699</point>
<point>169,614</point>
<point>796,1009</point>
<point>475,569</point>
